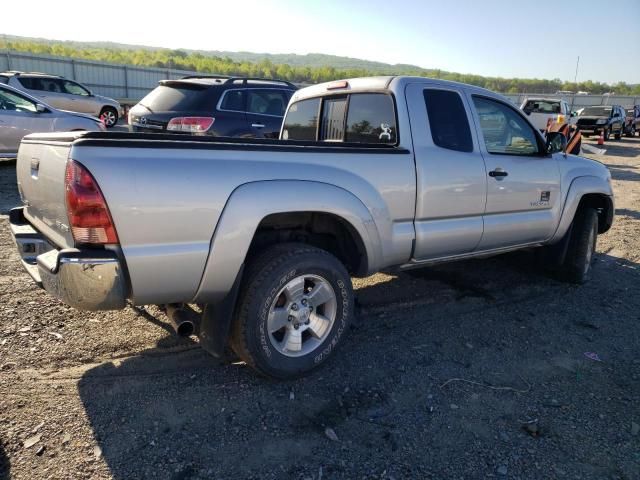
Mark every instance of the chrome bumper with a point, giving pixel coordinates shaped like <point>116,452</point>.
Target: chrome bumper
<point>84,279</point>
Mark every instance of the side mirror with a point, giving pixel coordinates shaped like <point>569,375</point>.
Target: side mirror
<point>556,142</point>
<point>573,114</point>
<point>528,111</point>
<point>40,108</point>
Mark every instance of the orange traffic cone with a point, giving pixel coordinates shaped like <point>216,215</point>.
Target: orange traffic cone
<point>601,139</point>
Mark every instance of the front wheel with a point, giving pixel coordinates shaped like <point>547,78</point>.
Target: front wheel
<point>577,264</point>
<point>618,135</point>
<point>109,116</point>
<point>606,135</point>
<point>295,304</point>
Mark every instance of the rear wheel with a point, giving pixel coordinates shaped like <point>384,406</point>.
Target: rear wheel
<point>109,116</point>
<point>295,304</point>
<point>618,135</point>
<point>577,264</point>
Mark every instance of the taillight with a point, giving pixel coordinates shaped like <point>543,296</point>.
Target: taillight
<point>190,124</point>
<point>88,214</point>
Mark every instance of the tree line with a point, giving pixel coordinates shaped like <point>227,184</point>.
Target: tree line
<point>211,64</point>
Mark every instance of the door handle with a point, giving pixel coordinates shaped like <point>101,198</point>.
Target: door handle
<point>498,172</point>
<point>257,125</point>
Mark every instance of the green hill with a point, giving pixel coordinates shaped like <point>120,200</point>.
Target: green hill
<point>310,68</point>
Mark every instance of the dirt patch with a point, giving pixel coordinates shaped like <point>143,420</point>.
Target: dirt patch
<point>115,395</point>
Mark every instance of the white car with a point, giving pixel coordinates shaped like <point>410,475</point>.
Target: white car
<point>543,110</point>
<point>22,114</point>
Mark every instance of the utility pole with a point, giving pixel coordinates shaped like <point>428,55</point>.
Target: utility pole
<point>575,79</point>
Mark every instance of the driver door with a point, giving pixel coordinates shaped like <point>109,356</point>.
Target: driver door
<point>523,189</point>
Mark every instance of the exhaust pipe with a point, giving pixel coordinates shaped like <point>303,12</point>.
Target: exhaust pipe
<point>184,320</point>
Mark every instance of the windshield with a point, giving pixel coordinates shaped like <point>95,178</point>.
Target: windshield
<point>630,112</point>
<point>542,106</point>
<point>596,111</point>
<point>165,98</point>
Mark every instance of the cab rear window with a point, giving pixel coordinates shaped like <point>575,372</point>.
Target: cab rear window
<point>542,106</point>
<point>355,118</point>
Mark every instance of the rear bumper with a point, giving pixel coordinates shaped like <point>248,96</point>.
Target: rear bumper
<point>84,279</point>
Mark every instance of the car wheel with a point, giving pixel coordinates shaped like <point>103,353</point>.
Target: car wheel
<point>295,304</point>
<point>582,246</point>
<point>606,134</point>
<point>618,135</point>
<point>109,116</point>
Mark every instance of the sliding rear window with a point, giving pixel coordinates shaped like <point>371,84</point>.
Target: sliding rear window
<point>355,118</point>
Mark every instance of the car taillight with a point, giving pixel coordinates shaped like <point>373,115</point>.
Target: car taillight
<point>88,214</point>
<point>190,124</point>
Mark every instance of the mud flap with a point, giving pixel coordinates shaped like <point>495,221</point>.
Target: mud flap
<point>554,255</point>
<point>215,323</point>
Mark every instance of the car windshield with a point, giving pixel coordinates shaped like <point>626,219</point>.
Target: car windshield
<point>542,106</point>
<point>596,111</point>
<point>17,103</point>
<point>630,112</point>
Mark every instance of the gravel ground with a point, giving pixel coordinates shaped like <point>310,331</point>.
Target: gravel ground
<point>470,370</point>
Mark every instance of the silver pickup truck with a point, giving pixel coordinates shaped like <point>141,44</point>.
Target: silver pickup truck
<point>252,243</point>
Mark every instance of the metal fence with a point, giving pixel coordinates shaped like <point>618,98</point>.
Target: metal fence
<point>123,82</point>
<point>579,101</point>
<point>129,83</point>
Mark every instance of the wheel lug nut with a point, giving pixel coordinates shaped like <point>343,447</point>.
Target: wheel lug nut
<point>296,326</point>
<point>294,307</point>
<point>290,318</point>
<point>304,301</point>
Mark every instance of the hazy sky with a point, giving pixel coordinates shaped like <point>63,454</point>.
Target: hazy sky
<point>509,38</point>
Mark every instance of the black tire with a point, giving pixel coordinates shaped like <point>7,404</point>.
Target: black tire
<point>618,135</point>
<point>109,116</point>
<point>581,249</point>
<point>265,276</point>
<point>606,134</point>
<point>631,132</point>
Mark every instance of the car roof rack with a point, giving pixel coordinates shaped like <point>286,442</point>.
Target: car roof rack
<point>187,77</point>
<point>234,79</point>
<point>245,80</point>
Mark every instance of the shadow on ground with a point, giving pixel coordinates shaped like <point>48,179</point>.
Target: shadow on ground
<point>5,466</point>
<point>501,322</point>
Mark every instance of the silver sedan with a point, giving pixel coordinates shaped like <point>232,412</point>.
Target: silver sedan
<point>22,114</point>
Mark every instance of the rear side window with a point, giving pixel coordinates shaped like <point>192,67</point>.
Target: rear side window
<point>371,119</point>
<point>301,122</point>
<point>267,102</point>
<point>233,100</point>
<point>177,98</point>
<point>4,79</point>
<point>43,84</point>
<point>448,120</point>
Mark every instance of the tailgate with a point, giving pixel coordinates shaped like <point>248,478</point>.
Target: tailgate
<point>40,170</point>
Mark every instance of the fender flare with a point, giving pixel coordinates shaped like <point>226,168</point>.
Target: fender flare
<point>251,202</point>
<point>580,186</point>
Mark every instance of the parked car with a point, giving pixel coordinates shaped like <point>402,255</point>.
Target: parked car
<point>542,111</point>
<point>264,234</point>
<point>65,94</point>
<point>218,106</point>
<point>22,114</point>
<point>632,121</point>
<point>605,119</point>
